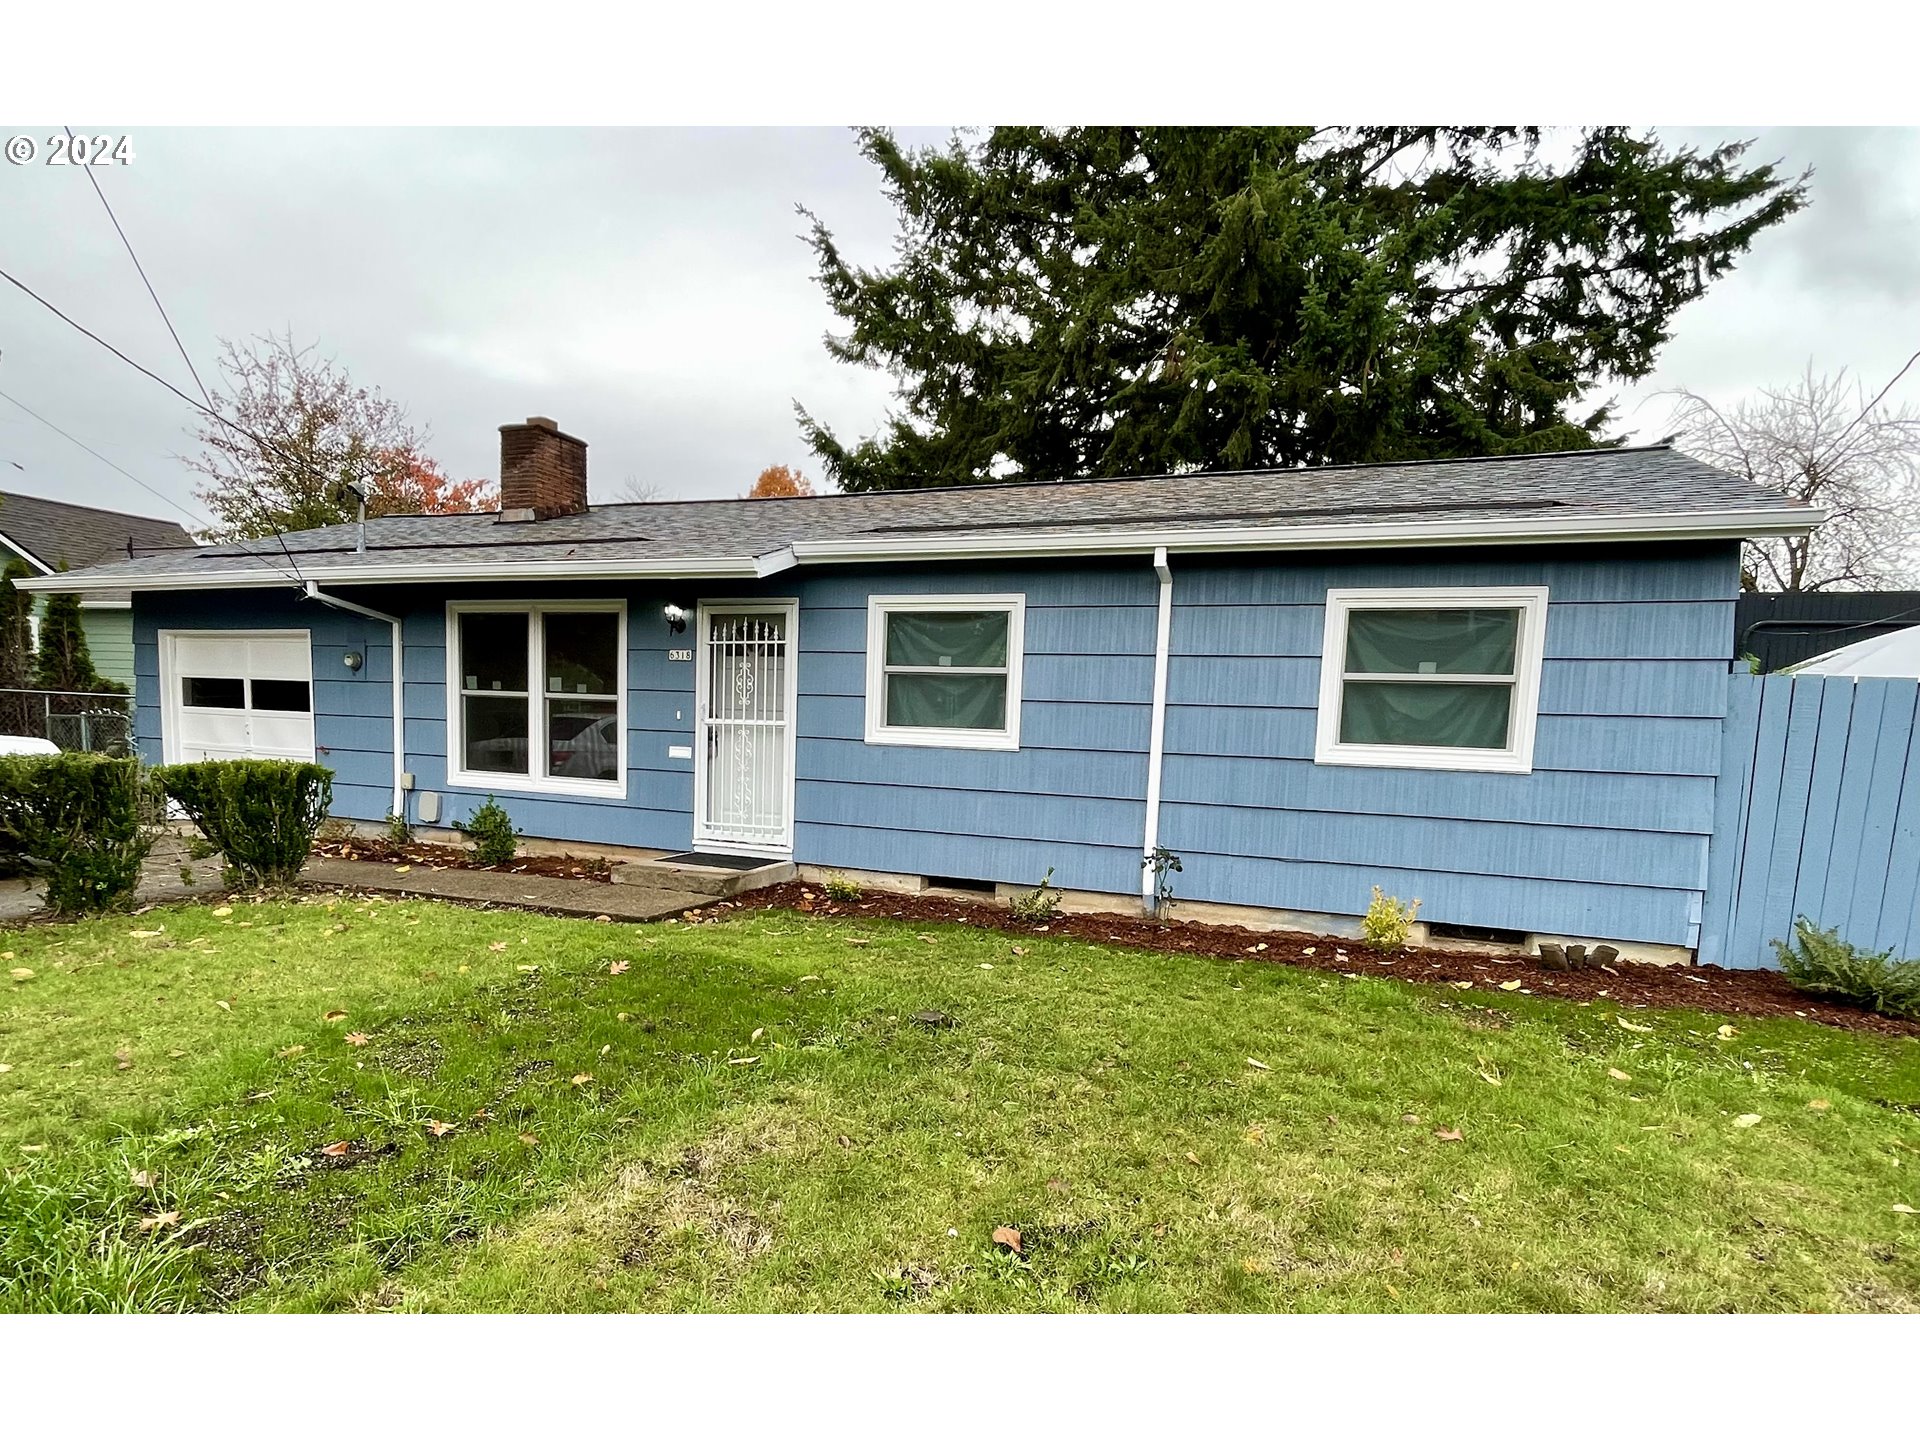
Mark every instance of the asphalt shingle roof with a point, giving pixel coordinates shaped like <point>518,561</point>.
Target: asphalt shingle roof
<point>80,536</point>
<point>1653,481</point>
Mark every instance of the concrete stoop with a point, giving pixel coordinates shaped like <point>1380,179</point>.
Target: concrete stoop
<point>718,881</point>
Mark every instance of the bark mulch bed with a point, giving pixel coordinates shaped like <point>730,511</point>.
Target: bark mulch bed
<point>453,857</point>
<point>1763,993</point>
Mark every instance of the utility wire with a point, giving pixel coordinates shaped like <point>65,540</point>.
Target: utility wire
<point>202,407</point>
<point>150,489</point>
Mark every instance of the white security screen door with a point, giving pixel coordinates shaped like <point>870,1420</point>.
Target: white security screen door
<point>743,752</point>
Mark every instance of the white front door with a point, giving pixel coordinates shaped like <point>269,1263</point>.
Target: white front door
<point>236,694</point>
<point>744,740</point>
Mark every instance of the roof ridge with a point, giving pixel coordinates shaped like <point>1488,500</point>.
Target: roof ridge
<point>6,495</point>
<point>1593,451</point>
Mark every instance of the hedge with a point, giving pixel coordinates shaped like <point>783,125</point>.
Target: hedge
<point>81,820</point>
<point>262,814</point>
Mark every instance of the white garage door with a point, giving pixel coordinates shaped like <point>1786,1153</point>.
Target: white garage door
<point>234,695</point>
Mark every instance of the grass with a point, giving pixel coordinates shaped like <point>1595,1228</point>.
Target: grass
<point>747,1117</point>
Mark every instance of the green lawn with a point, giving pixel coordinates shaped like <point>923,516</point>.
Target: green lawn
<point>611,1146</point>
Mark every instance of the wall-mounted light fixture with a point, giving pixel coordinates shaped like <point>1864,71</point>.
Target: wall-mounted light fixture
<point>676,618</point>
<point>353,660</point>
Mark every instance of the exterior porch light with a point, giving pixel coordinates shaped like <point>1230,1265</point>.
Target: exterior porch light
<point>676,618</point>
<point>353,660</point>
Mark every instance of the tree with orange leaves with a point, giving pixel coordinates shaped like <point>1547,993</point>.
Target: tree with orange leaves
<point>410,483</point>
<point>780,482</point>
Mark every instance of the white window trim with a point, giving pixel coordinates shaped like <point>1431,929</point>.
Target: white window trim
<point>1530,647</point>
<point>530,783</point>
<point>934,737</point>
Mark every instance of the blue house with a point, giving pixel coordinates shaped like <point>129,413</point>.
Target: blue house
<point>1496,686</point>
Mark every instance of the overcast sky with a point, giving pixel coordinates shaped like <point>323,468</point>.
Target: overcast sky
<point>649,290</point>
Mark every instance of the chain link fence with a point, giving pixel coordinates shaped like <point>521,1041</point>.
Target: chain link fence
<point>73,720</point>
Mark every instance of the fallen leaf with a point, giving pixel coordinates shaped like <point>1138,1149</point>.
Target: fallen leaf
<point>604,919</point>
<point>1745,1122</point>
<point>21,973</point>
<point>1409,1119</point>
<point>1819,1105</point>
<point>1258,1064</point>
<point>582,1078</point>
<point>1019,949</point>
<point>1726,1032</point>
<point>1448,1135</point>
<point>1461,984</point>
<point>805,978</point>
<point>123,1059</point>
<point>1905,1210</point>
<point>1618,1074</point>
<point>985,966</point>
<point>527,969</point>
<point>527,1138</point>
<point>403,869</point>
<point>332,1015</point>
<point>141,1179</point>
<point>605,1048</point>
<point>154,1222</point>
<point>1256,1135</point>
<point>357,1038</point>
<point>1192,1159</point>
<point>1511,984</point>
<point>222,911</point>
<point>756,1035</point>
<point>1626,1024</point>
<point>438,1128</point>
<point>1008,1236</point>
<point>224,1006</point>
<point>34,1149</point>
<point>147,934</point>
<point>338,1147</point>
<point>930,939</point>
<point>618,967</point>
<point>745,1060</point>
<point>5,1069</point>
<point>858,940</point>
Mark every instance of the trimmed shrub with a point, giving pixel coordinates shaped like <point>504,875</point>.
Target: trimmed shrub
<point>1821,963</point>
<point>490,828</point>
<point>1037,906</point>
<point>261,814</point>
<point>81,821</point>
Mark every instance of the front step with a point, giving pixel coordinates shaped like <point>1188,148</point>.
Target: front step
<point>717,875</point>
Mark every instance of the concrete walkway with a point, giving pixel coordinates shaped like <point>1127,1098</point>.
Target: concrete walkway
<point>162,881</point>
<point>556,895</point>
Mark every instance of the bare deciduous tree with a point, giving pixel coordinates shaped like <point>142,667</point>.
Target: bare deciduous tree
<point>1825,441</point>
<point>296,431</point>
<point>635,491</point>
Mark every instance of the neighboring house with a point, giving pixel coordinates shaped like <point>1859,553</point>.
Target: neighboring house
<point>1781,630</point>
<point>1496,686</point>
<point>51,534</point>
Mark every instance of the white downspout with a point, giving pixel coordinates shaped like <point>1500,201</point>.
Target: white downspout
<point>314,592</point>
<point>1156,743</point>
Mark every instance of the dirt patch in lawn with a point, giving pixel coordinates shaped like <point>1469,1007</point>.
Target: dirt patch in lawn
<point>1694,987</point>
<point>452,857</point>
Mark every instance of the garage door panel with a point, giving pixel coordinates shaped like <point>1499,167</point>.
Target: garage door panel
<point>256,694</point>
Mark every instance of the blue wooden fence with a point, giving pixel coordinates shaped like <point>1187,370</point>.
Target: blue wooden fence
<point>1817,813</point>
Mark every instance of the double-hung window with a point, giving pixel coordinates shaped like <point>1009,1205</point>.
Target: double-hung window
<point>537,696</point>
<point>1443,679</point>
<point>944,670</point>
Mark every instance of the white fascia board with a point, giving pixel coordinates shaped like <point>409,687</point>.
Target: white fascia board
<point>1703,525</point>
<point>26,555</point>
<point>743,567</point>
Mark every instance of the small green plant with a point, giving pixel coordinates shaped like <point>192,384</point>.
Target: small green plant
<point>1753,664</point>
<point>261,814</point>
<point>1387,922</point>
<point>839,887</point>
<point>1039,905</point>
<point>1821,963</point>
<point>79,820</point>
<point>490,828</point>
<point>1165,865</point>
<point>399,831</point>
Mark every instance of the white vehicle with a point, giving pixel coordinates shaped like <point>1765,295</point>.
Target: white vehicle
<point>27,745</point>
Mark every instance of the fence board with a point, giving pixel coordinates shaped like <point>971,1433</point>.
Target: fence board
<point>1816,813</point>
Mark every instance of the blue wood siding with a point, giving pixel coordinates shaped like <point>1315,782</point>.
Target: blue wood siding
<point>1607,837</point>
<point>1818,815</point>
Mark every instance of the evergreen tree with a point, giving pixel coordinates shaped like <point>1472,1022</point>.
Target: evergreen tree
<point>16,633</point>
<point>63,661</point>
<point>1108,301</point>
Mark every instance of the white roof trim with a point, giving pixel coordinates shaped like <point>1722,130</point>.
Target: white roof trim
<point>1034,544</point>
<point>24,553</point>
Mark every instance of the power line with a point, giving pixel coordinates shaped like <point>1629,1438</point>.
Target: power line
<point>204,408</point>
<point>153,490</point>
<point>142,270</point>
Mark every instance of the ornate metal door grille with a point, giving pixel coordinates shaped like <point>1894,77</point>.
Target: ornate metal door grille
<point>745,721</point>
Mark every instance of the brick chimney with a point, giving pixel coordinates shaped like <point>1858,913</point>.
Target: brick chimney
<point>543,473</point>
